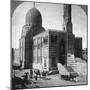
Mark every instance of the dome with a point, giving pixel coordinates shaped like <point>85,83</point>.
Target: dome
<point>33,17</point>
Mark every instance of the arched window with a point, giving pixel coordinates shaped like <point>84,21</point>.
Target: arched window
<point>53,39</point>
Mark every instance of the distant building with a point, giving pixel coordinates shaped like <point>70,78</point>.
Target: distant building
<point>78,47</point>
<point>43,49</point>
<point>12,55</point>
<point>84,54</point>
<point>16,56</point>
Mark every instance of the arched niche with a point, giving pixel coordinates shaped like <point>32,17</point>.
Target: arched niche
<point>62,49</point>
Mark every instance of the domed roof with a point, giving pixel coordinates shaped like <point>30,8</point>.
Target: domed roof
<point>33,17</point>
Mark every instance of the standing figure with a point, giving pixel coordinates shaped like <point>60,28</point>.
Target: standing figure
<point>39,74</point>
<point>26,77</point>
<point>35,74</point>
<point>31,73</point>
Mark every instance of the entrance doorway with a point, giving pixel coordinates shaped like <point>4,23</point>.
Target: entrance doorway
<point>62,56</point>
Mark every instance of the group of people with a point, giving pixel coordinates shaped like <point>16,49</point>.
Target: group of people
<point>28,77</point>
<point>34,74</point>
<point>38,74</point>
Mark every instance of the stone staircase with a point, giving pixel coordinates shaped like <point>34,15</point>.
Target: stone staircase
<point>70,60</point>
<point>62,70</point>
<point>74,65</point>
<point>67,71</point>
<point>78,66</point>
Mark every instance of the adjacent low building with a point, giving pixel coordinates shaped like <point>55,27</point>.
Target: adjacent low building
<point>50,47</point>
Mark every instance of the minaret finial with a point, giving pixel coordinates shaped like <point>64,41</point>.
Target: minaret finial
<point>67,18</point>
<point>34,4</point>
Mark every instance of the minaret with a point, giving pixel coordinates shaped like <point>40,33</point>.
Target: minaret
<point>67,23</point>
<point>34,4</point>
<point>67,27</point>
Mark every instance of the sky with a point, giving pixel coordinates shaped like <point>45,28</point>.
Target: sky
<point>52,18</point>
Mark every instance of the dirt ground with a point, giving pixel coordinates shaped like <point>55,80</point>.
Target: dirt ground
<point>51,81</point>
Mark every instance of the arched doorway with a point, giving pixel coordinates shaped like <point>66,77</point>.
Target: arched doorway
<point>62,55</point>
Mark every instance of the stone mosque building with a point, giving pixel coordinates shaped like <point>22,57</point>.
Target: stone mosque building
<point>33,27</point>
<point>43,49</point>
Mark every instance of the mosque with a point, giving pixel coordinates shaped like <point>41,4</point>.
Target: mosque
<point>43,49</point>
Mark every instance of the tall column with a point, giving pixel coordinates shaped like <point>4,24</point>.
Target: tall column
<point>67,27</point>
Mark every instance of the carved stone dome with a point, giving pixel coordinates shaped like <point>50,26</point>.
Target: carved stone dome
<point>33,17</point>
